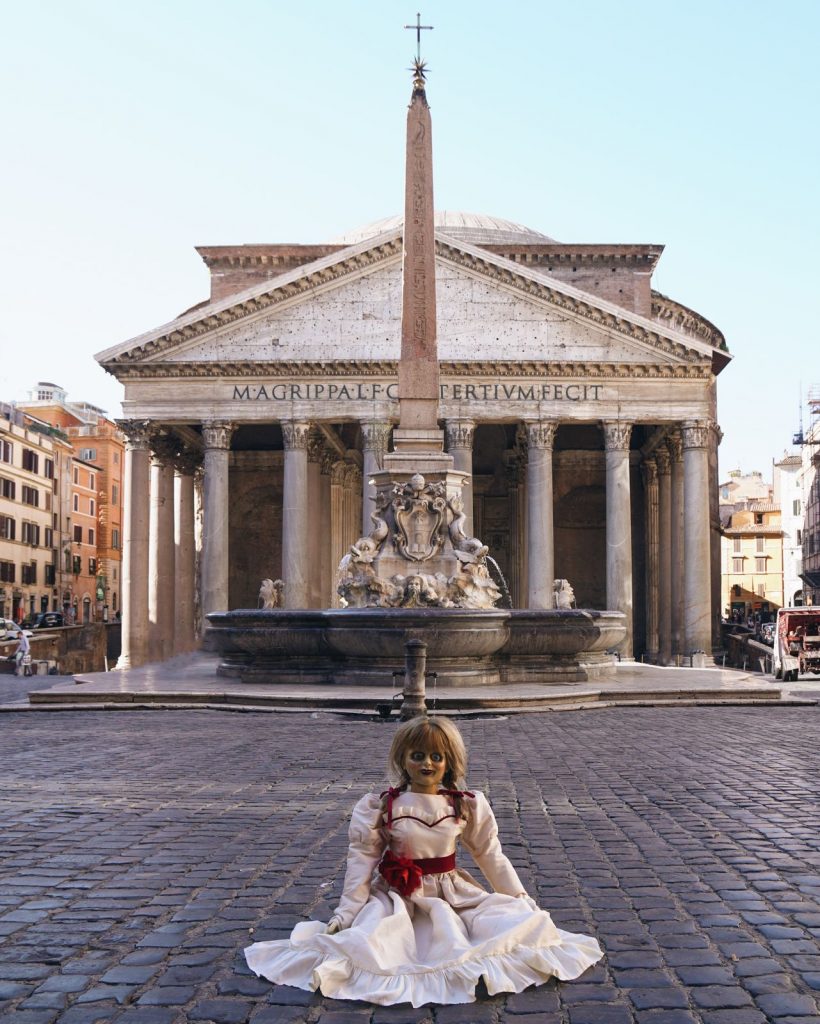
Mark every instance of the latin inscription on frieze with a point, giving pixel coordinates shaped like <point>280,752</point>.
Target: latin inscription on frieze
<point>449,391</point>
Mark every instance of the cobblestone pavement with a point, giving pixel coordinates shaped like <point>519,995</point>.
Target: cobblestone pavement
<point>139,850</point>
<point>15,689</point>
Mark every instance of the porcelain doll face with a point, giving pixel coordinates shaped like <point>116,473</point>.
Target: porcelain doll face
<point>425,768</point>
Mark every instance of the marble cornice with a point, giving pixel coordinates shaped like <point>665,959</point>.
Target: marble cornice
<point>572,301</point>
<point>686,320</point>
<point>389,368</point>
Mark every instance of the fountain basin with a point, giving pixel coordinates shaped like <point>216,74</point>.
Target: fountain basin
<point>559,646</point>
<point>460,642</point>
<point>281,645</point>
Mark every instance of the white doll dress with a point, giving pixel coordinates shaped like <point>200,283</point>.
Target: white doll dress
<point>435,945</point>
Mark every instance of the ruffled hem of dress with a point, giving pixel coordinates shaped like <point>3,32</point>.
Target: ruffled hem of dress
<point>513,971</point>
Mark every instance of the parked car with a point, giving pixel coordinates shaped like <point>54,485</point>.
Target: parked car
<point>48,620</point>
<point>9,630</point>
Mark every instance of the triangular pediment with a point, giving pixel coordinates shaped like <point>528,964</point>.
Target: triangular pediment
<point>347,306</point>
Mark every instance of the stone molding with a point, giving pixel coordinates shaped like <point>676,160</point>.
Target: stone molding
<point>687,321</point>
<point>236,308</point>
<point>575,304</point>
<point>218,434</point>
<point>541,434</point>
<point>389,368</point>
<point>137,433</point>
<point>460,434</point>
<point>696,434</point>
<point>663,458</point>
<point>376,436</point>
<point>295,435</point>
<point>617,435</point>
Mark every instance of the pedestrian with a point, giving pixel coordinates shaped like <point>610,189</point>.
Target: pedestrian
<point>23,656</point>
<point>411,926</point>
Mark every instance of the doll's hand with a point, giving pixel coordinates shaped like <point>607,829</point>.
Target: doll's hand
<point>334,925</point>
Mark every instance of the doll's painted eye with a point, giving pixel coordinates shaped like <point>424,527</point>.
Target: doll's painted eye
<point>419,755</point>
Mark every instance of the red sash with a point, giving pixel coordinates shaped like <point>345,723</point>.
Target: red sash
<point>404,874</point>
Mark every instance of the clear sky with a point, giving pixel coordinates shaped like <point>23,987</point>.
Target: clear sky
<point>134,132</point>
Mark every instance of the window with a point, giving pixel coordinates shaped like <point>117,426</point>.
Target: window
<point>760,545</point>
<point>76,475</point>
<point>88,454</point>
<point>736,590</point>
<point>31,460</point>
<point>799,537</point>
<point>761,590</point>
<point>6,451</point>
<point>760,565</point>
<point>91,506</point>
<point>48,469</point>
<point>796,507</point>
<point>116,458</point>
<point>115,538</point>
<point>737,565</point>
<point>758,518</point>
<point>114,569</point>
<point>51,575</point>
<point>736,545</point>
<point>92,566</point>
<point>91,481</point>
<point>8,488</point>
<point>78,534</point>
<point>76,503</point>
<point>29,573</point>
<point>30,534</point>
<point>76,565</point>
<point>90,536</point>
<point>115,494</point>
<point>31,496</point>
<point>48,539</point>
<point>6,572</point>
<point>8,528</point>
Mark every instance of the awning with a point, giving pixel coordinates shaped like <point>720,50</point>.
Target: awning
<point>812,579</point>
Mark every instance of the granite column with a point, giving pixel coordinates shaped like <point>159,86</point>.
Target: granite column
<point>135,544</point>
<point>697,584</point>
<point>540,542</point>
<point>295,514</point>
<point>664,464</point>
<point>619,526</point>
<point>459,435</point>
<point>215,517</point>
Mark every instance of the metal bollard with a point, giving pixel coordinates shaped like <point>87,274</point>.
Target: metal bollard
<point>415,663</point>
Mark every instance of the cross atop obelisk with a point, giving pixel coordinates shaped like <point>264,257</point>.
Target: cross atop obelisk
<point>418,368</point>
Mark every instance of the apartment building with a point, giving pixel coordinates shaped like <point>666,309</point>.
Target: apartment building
<point>33,460</point>
<point>752,561</point>
<point>99,452</point>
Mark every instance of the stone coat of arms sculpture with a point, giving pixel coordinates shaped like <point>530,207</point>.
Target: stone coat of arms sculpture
<point>416,523</point>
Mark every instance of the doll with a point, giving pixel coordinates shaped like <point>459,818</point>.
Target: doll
<point>411,926</point>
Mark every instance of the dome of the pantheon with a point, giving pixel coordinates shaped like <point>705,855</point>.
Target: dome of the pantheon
<point>475,228</point>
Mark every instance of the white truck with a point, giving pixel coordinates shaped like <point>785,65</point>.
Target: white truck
<point>796,642</point>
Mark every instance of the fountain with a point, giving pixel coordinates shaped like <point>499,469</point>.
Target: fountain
<point>417,576</point>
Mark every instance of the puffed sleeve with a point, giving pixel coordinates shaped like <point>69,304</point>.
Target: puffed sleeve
<point>481,838</point>
<point>366,847</point>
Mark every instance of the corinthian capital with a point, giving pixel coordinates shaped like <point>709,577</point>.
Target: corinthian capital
<point>696,434</point>
<point>663,460</point>
<point>315,446</point>
<point>376,437</point>
<point>617,435</point>
<point>650,471</point>
<point>460,434</point>
<point>137,433</point>
<point>541,434</point>
<point>295,435</point>
<point>675,444</point>
<point>218,433</point>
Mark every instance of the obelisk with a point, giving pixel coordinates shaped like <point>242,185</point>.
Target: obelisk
<point>418,431</point>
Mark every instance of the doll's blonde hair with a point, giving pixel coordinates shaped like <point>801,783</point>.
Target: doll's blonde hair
<point>429,734</point>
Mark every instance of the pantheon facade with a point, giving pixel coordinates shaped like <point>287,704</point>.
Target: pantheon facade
<point>582,403</point>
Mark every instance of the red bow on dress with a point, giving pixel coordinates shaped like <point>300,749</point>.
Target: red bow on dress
<point>401,873</point>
